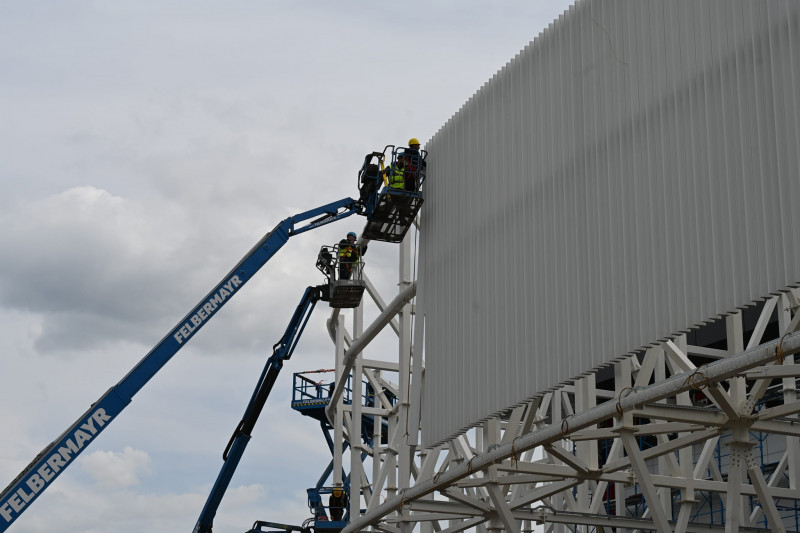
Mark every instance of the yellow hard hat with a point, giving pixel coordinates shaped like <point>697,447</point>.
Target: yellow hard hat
<point>413,140</point>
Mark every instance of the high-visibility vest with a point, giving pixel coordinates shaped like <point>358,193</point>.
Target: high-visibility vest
<point>346,253</point>
<point>397,179</point>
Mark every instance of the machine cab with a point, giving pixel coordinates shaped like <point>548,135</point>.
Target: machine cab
<point>391,209</point>
<point>343,269</point>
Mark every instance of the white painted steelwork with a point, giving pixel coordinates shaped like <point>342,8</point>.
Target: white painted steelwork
<point>630,174</point>
<point>683,438</point>
<point>571,426</point>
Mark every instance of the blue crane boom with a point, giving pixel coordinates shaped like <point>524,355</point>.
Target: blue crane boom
<point>389,212</point>
<point>58,455</point>
<point>282,351</point>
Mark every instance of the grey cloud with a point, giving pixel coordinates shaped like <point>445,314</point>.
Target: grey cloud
<point>146,147</point>
<point>99,268</point>
<point>105,269</point>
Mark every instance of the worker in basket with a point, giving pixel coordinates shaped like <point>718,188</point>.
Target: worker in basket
<point>414,165</point>
<point>337,503</point>
<point>396,173</point>
<point>349,255</point>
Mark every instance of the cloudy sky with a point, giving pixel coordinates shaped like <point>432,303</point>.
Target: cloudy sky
<point>144,148</point>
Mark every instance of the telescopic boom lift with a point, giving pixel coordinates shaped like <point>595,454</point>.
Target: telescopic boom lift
<point>58,455</point>
<point>388,222</point>
<point>282,351</point>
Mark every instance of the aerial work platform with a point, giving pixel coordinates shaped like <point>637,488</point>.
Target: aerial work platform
<point>345,285</point>
<point>391,212</point>
<point>393,215</point>
<point>310,397</point>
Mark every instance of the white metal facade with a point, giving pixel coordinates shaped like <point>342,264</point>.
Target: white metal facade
<point>697,434</point>
<point>627,176</point>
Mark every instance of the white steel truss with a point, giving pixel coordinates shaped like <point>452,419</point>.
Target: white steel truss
<point>679,438</point>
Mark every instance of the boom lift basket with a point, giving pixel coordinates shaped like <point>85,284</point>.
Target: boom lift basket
<point>392,210</point>
<point>393,215</point>
<point>324,514</point>
<point>343,293</point>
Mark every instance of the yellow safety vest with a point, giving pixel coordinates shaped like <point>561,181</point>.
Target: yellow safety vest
<point>397,180</point>
<point>347,252</point>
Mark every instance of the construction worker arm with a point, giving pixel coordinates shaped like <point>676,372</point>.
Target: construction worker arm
<point>383,170</point>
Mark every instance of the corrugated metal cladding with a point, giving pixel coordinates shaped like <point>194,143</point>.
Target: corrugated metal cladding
<point>631,173</point>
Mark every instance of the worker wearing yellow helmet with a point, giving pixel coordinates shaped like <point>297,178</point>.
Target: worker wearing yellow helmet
<point>413,162</point>
<point>337,503</point>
